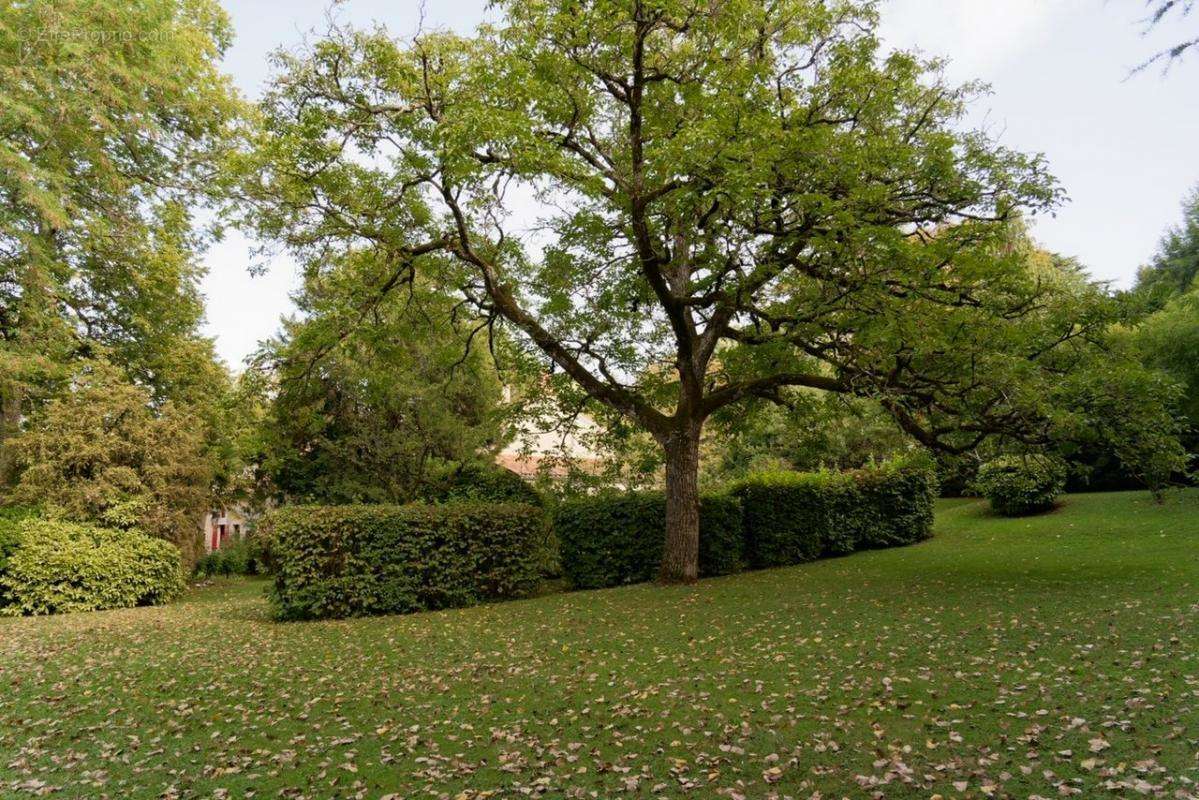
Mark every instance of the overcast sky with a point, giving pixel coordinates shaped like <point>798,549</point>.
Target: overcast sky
<point>1123,148</point>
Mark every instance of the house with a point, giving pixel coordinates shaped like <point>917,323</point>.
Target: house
<point>223,525</point>
<point>535,450</point>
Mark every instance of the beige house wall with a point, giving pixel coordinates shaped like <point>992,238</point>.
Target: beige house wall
<point>223,526</point>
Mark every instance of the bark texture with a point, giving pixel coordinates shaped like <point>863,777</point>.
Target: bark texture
<point>680,553</point>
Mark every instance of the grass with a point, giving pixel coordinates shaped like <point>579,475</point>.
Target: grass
<point>1039,657</point>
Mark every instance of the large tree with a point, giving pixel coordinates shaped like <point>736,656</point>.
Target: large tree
<point>1168,287</point>
<point>109,114</point>
<point>683,205</point>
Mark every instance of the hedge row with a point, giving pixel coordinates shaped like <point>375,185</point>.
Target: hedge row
<point>55,567</point>
<point>792,517</point>
<point>767,520</point>
<point>614,539</point>
<point>346,561</point>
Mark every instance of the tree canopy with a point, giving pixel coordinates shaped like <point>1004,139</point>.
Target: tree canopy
<point>1175,265</point>
<point>1168,336</point>
<point>369,410</point>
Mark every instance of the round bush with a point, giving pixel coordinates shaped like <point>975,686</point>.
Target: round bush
<point>59,567</point>
<point>1021,485</point>
<point>11,519</point>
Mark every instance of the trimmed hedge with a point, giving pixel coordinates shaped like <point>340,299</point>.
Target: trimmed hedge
<point>615,539</point>
<point>347,561</point>
<point>768,520</point>
<point>793,517</point>
<point>59,567</point>
<point>899,498</point>
<point>1021,485</point>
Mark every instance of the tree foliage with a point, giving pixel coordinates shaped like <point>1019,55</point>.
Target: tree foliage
<point>1175,265</point>
<point>104,453</point>
<point>1166,333</point>
<point>369,405</point>
<point>110,114</point>
<point>1169,340</point>
<point>813,430</point>
<point>1165,13</point>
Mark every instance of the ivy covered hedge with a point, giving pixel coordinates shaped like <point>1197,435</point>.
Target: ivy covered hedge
<point>793,517</point>
<point>1021,485</point>
<point>613,539</point>
<point>768,520</point>
<point>346,561</point>
<point>55,567</point>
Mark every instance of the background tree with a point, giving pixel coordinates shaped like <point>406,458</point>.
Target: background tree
<point>368,410</point>
<point>811,431</point>
<point>715,202</point>
<point>109,113</point>
<point>1175,265</point>
<point>102,453</point>
<point>1169,340</point>
<point>1167,335</point>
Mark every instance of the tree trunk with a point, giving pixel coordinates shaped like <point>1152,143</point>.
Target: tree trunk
<point>680,555</point>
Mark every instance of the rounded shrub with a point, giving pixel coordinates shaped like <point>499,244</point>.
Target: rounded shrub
<point>1021,485</point>
<point>11,519</point>
<point>59,567</point>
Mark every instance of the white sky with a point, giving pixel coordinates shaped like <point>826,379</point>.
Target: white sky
<point>1123,148</point>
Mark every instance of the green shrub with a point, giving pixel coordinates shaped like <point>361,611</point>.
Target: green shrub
<point>238,557</point>
<point>482,483</point>
<point>1020,485</point>
<point>11,519</point>
<point>793,517</point>
<point>345,561</point>
<point>61,567</point>
<point>898,499</point>
<point>786,516</point>
<point>613,539</point>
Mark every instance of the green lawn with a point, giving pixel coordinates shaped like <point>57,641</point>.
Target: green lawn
<point>1048,656</point>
